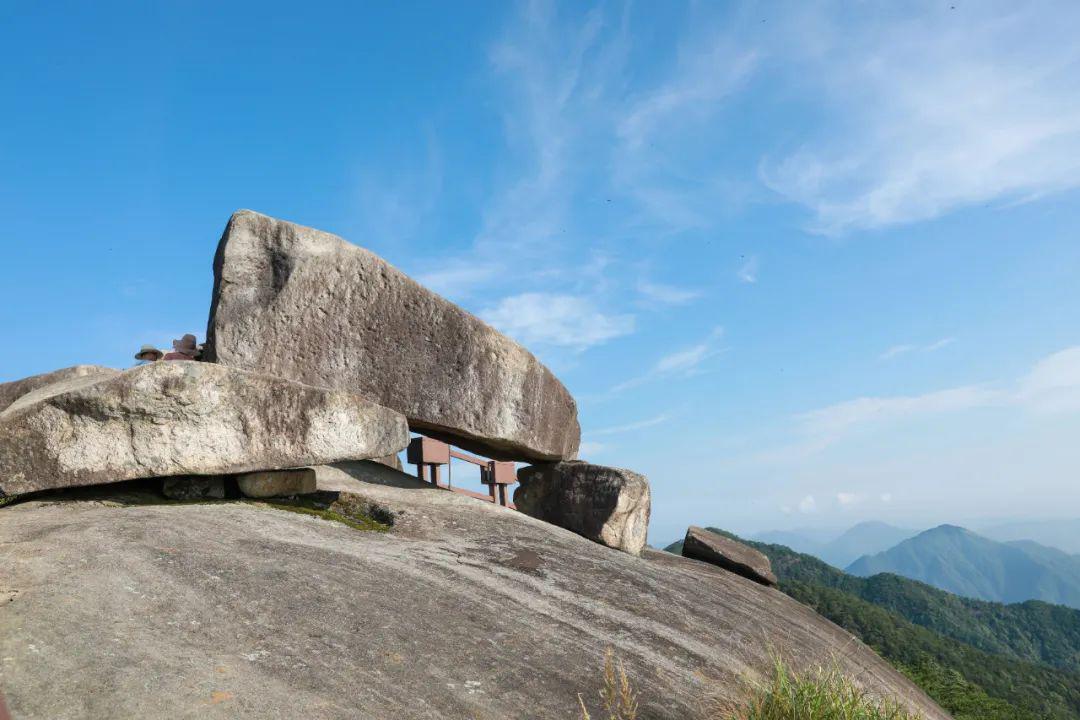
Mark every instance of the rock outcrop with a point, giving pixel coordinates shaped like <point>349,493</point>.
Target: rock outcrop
<point>462,610</point>
<point>303,304</point>
<point>12,391</point>
<point>185,418</point>
<point>605,504</point>
<point>731,555</point>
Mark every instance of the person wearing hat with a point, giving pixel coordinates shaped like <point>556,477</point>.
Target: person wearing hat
<point>148,354</point>
<point>184,349</point>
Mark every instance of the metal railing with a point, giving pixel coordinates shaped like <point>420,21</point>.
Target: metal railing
<point>429,455</point>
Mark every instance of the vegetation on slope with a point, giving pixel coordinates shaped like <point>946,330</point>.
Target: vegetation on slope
<point>1032,631</point>
<point>973,657</point>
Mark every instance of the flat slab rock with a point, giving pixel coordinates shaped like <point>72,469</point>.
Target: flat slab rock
<point>184,418</point>
<point>303,304</point>
<point>605,504</point>
<point>733,556</point>
<point>12,391</point>
<point>463,610</point>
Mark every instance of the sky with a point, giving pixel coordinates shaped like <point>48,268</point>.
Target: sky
<point>802,264</point>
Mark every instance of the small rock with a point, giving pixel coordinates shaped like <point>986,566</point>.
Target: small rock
<point>733,556</point>
<point>277,483</point>
<point>605,504</point>
<point>193,488</point>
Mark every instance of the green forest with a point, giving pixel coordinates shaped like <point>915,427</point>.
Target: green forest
<point>979,660</point>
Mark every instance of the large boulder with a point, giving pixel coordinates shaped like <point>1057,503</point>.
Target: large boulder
<point>463,609</point>
<point>12,391</point>
<point>731,555</point>
<point>304,304</point>
<point>605,504</point>
<point>186,418</point>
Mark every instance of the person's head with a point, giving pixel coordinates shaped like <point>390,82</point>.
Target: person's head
<point>186,345</point>
<point>148,354</point>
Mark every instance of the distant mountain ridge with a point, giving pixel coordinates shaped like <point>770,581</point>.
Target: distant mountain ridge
<point>962,562</point>
<point>1063,534</point>
<point>865,538</point>
<point>981,660</point>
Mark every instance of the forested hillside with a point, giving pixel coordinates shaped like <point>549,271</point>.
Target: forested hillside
<point>980,660</point>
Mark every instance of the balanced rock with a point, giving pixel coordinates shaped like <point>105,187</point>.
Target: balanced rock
<point>608,505</point>
<point>306,305</point>
<point>277,483</point>
<point>710,547</point>
<point>186,418</point>
<point>12,391</point>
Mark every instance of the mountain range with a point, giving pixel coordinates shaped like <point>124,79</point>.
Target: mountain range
<point>980,660</point>
<point>965,563</point>
<point>843,549</point>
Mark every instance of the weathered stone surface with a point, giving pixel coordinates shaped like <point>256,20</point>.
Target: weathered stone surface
<point>193,488</point>
<point>733,556</point>
<point>12,391</point>
<point>605,504</point>
<point>186,418</point>
<point>303,304</point>
<point>391,461</point>
<point>277,483</point>
<point>463,610</point>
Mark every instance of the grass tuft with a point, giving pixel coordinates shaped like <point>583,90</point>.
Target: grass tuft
<point>822,695</point>
<point>617,696</point>
<point>344,508</point>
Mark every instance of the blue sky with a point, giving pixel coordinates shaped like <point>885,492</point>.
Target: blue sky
<point>801,263</point>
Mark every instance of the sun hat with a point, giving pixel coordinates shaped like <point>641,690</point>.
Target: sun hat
<point>185,345</point>
<point>149,350</point>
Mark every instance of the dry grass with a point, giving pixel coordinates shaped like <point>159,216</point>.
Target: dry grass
<point>617,696</point>
<point>823,694</point>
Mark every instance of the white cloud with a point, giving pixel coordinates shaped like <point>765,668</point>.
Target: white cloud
<point>808,505</point>
<point>886,498</point>
<point>897,350</point>
<point>684,362</point>
<point>630,427</point>
<point>561,320</point>
<point>894,351</point>
<point>748,272</point>
<point>668,294</point>
<point>847,499</point>
<point>589,447</point>
<point>1053,384</point>
<point>828,424</point>
<point>931,109</point>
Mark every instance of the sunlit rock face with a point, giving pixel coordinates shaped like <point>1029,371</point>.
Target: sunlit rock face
<point>184,418</point>
<point>303,304</point>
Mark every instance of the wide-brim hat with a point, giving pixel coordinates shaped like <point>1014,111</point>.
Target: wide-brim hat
<point>149,350</point>
<point>186,345</point>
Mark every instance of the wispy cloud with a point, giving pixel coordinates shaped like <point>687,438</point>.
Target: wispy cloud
<point>668,294</point>
<point>631,427</point>
<point>748,271</point>
<point>681,362</point>
<point>1052,385</point>
<point>561,320</point>
<point>932,107</point>
<point>897,350</point>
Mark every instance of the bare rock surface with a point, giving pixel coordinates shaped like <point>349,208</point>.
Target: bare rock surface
<point>605,504</point>
<point>463,610</point>
<point>306,305</point>
<point>12,391</point>
<point>277,483</point>
<point>185,418</point>
<point>731,555</point>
